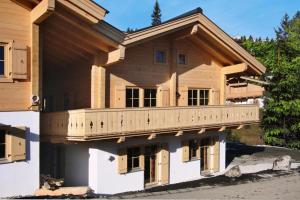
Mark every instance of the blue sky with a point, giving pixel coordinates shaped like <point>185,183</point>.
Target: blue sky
<point>236,17</point>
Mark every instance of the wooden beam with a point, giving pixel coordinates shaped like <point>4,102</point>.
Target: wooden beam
<point>179,133</point>
<point>202,131</point>
<point>152,136</point>
<point>222,129</point>
<point>36,62</point>
<point>240,127</point>
<point>121,139</point>
<point>115,56</point>
<point>233,69</point>
<point>195,29</point>
<point>42,11</point>
<point>55,34</point>
<point>98,84</point>
<point>173,76</point>
<point>82,13</point>
<point>210,50</point>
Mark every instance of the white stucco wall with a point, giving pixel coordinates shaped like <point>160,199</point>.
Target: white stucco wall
<point>22,177</point>
<point>222,140</point>
<point>103,176</point>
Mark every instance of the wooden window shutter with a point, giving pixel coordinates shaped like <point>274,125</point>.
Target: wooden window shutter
<point>19,67</point>
<point>210,153</point>
<point>120,95</point>
<point>17,143</point>
<point>216,97</point>
<point>185,150</point>
<point>216,154</point>
<point>122,161</point>
<point>164,164</point>
<point>142,158</point>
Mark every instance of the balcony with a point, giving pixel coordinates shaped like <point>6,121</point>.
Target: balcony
<point>96,124</point>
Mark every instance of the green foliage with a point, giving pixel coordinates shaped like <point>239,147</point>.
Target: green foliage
<point>281,120</point>
<point>281,115</point>
<point>156,15</point>
<point>131,30</point>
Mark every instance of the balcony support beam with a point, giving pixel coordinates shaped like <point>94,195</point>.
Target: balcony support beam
<point>121,139</point>
<point>223,128</point>
<point>98,75</point>
<point>152,136</point>
<point>202,131</point>
<point>179,133</point>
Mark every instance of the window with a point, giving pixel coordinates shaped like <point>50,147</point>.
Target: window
<point>133,158</point>
<point>198,97</point>
<point>132,97</point>
<point>150,97</point>
<point>193,148</point>
<point>2,61</point>
<point>2,144</point>
<point>160,56</point>
<point>182,59</point>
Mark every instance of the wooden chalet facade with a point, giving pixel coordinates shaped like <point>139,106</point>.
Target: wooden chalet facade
<point>104,107</point>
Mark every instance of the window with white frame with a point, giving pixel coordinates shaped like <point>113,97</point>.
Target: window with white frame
<point>132,97</point>
<point>198,97</point>
<point>160,57</point>
<point>133,158</point>
<point>150,97</point>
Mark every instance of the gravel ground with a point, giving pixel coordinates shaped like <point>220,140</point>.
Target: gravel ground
<point>284,186</point>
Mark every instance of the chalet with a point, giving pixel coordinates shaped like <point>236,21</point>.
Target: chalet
<point>86,102</point>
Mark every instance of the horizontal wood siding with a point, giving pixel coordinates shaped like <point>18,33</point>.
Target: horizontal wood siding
<point>14,25</point>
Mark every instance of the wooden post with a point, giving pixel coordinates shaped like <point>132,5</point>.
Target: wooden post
<point>36,61</point>
<point>222,88</point>
<point>98,76</point>
<point>173,76</point>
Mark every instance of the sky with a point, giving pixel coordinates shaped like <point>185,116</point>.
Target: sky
<point>236,17</point>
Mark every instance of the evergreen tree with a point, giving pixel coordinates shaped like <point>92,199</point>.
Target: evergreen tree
<point>281,118</point>
<point>156,15</point>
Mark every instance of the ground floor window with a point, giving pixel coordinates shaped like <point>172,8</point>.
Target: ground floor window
<point>193,148</point>
<point>133,158</point>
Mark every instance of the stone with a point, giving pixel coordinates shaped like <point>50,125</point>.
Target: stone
<point>235,171</point>
<point>282,163</point>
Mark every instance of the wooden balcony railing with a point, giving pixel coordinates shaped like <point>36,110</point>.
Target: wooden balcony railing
<point>88,124</point>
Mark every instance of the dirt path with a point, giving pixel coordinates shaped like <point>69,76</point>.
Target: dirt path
<point>282,187</point>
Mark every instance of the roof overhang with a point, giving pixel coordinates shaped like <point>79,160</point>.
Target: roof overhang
<point>199,23</point>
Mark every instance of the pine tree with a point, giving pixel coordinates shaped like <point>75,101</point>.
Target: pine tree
<point>156,15</point>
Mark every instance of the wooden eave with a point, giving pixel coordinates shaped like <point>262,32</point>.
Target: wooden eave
<point>206,26</point>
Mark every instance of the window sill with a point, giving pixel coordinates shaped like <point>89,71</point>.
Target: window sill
<point>134,170</point>
<point>4,161</point>
<point>6,80</point>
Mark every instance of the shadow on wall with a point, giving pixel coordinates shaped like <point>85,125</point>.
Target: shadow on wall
<point>30,137</point>
<point>234,149</point>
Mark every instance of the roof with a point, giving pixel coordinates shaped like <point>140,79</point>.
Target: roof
<point>193,17</point>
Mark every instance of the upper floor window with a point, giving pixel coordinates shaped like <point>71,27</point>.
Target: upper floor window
<point>2,144</point>
<point>160,56</point>
<point>182,59</point>
<point>133,158</point>
<point>150,97</point>
<point>132,97</point>
<point>198,97</point>
<point>2,59</point>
